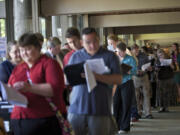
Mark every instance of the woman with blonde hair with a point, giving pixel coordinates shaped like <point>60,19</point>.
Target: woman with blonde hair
<point>165,81</point>
<point>13,58</point>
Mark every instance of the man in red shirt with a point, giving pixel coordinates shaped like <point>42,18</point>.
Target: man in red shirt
<point>74,40</point>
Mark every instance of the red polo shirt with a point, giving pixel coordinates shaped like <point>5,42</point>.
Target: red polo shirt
<point>67,57</point>
<point>45,70</point>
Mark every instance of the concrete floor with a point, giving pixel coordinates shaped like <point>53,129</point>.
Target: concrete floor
<point>162,124</point>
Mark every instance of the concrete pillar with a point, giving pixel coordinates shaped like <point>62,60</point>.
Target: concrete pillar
<point>48,27</point>
<point>35,15</point>
<point>85,21</point>
<point>55,25</point>
<point>9,20</point>
<point>64,26</point>
<point>22,17</point>
<point>131,40</point>
<point>101,36</point>
<point>72,20</point>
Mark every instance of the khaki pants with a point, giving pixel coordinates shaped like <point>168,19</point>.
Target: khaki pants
<point>142,85</point>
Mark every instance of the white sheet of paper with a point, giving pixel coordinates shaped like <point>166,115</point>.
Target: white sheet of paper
<point>13,96</point>
<point>97,66</point>
<point>166,62</point>
<point>145,66</point>
<point>90,79</point>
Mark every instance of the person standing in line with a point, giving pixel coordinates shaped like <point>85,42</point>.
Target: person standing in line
<point>90,113</point>
<point>113,40</point>
<point>141,80</point>
<point>175,55</point>
<point>13,58</point>
<point>54,50</point>
<point>73,38</point>
<point>165,81</point>
<point>124,93</point>
<point>38,77</point>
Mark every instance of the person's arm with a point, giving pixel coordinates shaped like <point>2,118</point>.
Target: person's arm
<point>109,79</point>
<point>43,89</point>
<point>53,85</point>
<point>114,89</point>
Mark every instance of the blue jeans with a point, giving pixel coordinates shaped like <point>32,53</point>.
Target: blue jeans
<point>90,124</point>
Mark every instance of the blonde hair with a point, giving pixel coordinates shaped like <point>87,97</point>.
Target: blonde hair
<point>161,51</point>
<point>53,41</point>
<point>113,37</point>
<point>9,47</point>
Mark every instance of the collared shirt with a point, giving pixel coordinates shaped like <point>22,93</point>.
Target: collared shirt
<point>99,101</point>
<point>129,60</point>
<point>67,57</point>
<point>142,59</point>
<point>6,68</point>
<point>45,70</point>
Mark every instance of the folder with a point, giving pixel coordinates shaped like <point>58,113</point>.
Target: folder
<point>73,74</point>
<point>125,68</point>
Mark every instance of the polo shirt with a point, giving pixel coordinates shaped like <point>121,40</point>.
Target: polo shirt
<point>129,60</point>
<point>67,57</point>
<point>45,70</point>
<point>99,101</point>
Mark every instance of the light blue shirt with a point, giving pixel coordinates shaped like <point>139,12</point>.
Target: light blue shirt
<point>129,60</point>
<point>99,101</point>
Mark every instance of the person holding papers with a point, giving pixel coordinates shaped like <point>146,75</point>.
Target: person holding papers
<point>38,77</point>
<point>141,81</point>
<point>165,81</point>
<point>124,93</point>
<point>90,112</point>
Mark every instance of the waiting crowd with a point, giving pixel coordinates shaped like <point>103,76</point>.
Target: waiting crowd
<point>127,92</point>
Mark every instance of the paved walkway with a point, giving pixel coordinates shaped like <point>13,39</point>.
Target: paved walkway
<point>162,124</point>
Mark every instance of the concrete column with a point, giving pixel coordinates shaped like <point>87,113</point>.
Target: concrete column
<point>55,25</point>
<point>35,15</point>
<point>85,21</point>
<point>9,20</point>
<point>101,36</point>
<point>48,27</point>
<point>131,40</point>
<point>22,17</point>
<point>64,26</point>
<point>72,20</point>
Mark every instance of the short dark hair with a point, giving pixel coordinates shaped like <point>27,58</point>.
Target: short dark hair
<point>72,31</point>
<point>135,46</point>
<point>39,36</point>
<point>88,30</point>
<point>29,39</point>
<point>121,46</point>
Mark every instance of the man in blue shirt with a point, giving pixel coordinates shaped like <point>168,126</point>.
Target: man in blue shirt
<point>124,92</point>
<point>89,113</point>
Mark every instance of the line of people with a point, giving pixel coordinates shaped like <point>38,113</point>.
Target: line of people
<point>89,113</point>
